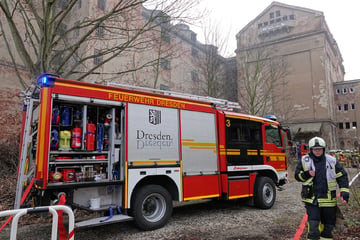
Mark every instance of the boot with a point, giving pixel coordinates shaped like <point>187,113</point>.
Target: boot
<point>313,230</point>
<point>326,234</point>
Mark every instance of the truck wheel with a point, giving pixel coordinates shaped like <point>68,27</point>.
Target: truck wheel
<point>152,207</point>
<point>265,193</point>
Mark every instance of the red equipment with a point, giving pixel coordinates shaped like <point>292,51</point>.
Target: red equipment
<point>54,176</point>
<point>76,138</point>
<point>68,175</point>
<point>90,136</point>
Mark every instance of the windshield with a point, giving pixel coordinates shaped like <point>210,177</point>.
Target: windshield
<point>272,134</point>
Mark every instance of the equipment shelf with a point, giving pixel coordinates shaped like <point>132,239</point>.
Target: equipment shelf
<point>79,161</point>
<point>60,185</point>
<point>78,152</point>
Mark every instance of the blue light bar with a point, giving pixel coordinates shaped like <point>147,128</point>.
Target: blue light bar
<point>46,80</point>
<point>271,117</point>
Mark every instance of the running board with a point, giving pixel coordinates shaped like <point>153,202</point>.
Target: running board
<point>102,221</point>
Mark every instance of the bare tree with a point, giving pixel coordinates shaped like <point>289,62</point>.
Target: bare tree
<point>262,81</point>
<point>55,37</point>
<point>211,64</point>
<point>165,50</point>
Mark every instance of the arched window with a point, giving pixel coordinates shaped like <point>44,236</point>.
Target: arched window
<point>342,144</point>
<point>356,144</point>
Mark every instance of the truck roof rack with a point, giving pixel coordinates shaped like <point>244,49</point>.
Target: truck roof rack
<point>218,103</point>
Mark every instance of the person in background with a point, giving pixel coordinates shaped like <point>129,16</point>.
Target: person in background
<point>320,174</point>
<point>298,151</point>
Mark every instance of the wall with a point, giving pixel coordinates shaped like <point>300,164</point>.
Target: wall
<point>314,64</point>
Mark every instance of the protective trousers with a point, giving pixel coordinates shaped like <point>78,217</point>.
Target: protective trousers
<point>321,221</point>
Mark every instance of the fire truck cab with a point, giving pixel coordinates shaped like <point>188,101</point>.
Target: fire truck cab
<point>136,151</point>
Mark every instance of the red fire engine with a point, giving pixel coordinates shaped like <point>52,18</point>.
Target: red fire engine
<point>136,151</point>
<point>304,148</point>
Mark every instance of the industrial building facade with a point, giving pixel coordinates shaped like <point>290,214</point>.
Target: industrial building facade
<point>165,56</point>
<point>313,76</point>
<point>314,98</point>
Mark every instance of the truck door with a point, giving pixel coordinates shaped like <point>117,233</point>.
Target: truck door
<point>243,142</point>
<point>274,151</point>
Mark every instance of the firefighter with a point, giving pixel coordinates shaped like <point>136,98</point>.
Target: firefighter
<point>348,159</point>
<point>342,159</point>
<point>320,173</point>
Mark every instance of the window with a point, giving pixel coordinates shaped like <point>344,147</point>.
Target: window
<point>240,136</point>
<point>344,90</point>
<point>164,87</point>
<point>58,58</point>
<point>193,37</point>
<point>272,134</point>
<point>62,29</point>
<point>194,76</point>
<point>194,52</point>
<point>285,18</point>
<point>165,36</point>
<point>354,125</point>
<point>351,90</point>
<point>79,4</point>
<point>278,20</point>
<point>77,30</point>
<point>341,126</point>
<point>346,107</point>
<point>272,21</point>
<point>101,4</point>
<point>277,13</point>
<point>100,30</point>
<point>353,106</point>
<point>266,23</point>
<point>165,64</point>
<point>97,57</point>
<point>74,60</point>
<point>260,25</point>
<point>292,17</point>
<point>338,91</point>
<point>272,15</point>
<point>347,125</point>
<point>339,107</point>
<point>63,4</point>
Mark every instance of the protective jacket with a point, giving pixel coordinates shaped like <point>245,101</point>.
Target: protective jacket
<point>335,174</point>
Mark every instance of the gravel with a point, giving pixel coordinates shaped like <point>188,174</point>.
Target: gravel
<point>202,220</point>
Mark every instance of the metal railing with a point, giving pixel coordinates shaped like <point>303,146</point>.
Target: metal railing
<point>17,213</point>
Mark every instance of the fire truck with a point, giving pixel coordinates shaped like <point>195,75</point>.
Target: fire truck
<point>304,149</point>
<point>129,152</point>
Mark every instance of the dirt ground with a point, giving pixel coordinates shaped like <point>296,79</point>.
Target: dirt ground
<point>229,220</point>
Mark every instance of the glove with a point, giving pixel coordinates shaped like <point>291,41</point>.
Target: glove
<point>345,196</point>
<point>306,175</point>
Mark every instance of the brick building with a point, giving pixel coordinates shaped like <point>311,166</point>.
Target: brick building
<point>315,99</point>
<point>347,100</point>
<point>178,59</point>
<point>167,57</point>
<point>301,37</point>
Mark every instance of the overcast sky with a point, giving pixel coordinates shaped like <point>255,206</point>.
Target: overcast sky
<point>342,18</point>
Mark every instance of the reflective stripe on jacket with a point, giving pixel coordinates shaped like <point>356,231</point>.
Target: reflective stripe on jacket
<point>335,174</point>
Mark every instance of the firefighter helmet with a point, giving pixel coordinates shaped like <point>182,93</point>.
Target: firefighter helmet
<point>317,142</point>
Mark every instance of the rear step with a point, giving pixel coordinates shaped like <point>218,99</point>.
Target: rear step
<point>103,220</point>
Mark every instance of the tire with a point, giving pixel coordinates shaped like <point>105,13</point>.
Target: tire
<point>152,207</point>
<point>265,193</point>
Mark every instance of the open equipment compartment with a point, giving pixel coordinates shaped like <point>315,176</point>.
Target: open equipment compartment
<point>85,151</point>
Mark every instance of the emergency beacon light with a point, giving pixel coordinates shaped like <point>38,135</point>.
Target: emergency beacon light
<point>271,117</point>
<point>46,80</point>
